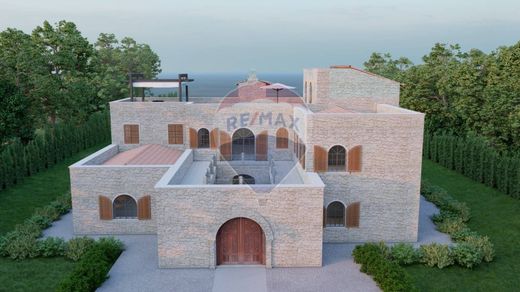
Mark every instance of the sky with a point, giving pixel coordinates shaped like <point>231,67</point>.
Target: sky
<point>279,35</point>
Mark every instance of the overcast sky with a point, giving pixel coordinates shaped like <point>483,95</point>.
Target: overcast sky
<point>279,35</point>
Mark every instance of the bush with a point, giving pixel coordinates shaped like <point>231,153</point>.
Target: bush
<point>404,254</point>
<point>387,274</point>
<point>466,255</point>
<point>436,255</point>
<point>19,246</point>
<point>463,234</point>
<point>451,225</point>
<point>40,220</point>
<point>51,247</point>
<point>484,245</point>
<point>76,247</point>
<point>91,270</point>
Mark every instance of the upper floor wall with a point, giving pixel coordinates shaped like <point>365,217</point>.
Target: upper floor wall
<point>346,85</point>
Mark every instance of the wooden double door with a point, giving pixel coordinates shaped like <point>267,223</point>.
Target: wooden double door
<point>240,241</point>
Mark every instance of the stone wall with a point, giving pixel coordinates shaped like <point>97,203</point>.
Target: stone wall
<point>189,219</point>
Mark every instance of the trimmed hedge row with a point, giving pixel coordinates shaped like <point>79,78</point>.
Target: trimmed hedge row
<point>474,158</point>
<point>374,261</point>
<point>50,146</point>
<point>93,267</point>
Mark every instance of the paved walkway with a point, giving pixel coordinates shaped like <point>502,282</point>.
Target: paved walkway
<point>136,269</point>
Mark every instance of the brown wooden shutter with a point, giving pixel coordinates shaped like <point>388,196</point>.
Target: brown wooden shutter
<point>320,159</point>
<point>354,159</point>
<point>131,133</point>
<point>282,138</point>
<point>324,217</point>
<point>352,216</point>
<point>225,145</point>
<point>105,208</point>
<point>144,208</point>
<point>261,146</point>
<point>193,138</point>
<point>175,134</point>
<point>213,139</point>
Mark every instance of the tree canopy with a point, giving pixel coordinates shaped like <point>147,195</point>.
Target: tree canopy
<point>467,93</point>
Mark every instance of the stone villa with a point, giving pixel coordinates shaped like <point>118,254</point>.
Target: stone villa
<point>256,178</point>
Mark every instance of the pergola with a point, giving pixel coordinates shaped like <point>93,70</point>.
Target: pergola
<point>158,83</point>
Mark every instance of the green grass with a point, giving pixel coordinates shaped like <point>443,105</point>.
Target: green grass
<point>17,204</point>
<point>493,214</point>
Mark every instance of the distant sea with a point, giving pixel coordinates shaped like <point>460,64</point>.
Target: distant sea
<point>219,84</point>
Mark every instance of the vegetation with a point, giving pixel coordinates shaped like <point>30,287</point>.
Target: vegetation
<point>474,158</point>
<point>55,75</point>
<point>374,261</point>
<point>495,215</point>
<point>462,92</point>
<point>18,204</point>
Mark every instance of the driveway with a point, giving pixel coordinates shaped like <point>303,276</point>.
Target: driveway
<point>136,269</point>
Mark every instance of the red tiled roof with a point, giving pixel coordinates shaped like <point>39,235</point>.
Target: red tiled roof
<point>151,154</point>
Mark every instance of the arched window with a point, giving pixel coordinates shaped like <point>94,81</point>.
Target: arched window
<point>124,207</point>
<point>305,92</point>
<point>203,138</point>
<point>337,158</point>
<point>282,138</point>
<point>335,214</point>
<point>246,179</point>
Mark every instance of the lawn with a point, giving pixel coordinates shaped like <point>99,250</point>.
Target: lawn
<point>493,214</point>
<point>18,203</point>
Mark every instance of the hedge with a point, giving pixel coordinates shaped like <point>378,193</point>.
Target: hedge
<point>387,273</point>
<point>50,146</point>
<point>472,157</point>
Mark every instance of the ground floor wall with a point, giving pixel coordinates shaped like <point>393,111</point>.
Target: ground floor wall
<point>188,220</point>
<point>389,210</point>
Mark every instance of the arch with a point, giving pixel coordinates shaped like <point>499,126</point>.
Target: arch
<point>243,141</point>
<point>247,179</point>
<point>335,214</point>
<point>282,138</point>
<point>337,158</point>
<point>203,138</point>
<point>240,241</point>
<point>124,207</point>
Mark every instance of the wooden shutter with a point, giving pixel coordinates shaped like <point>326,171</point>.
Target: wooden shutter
<point>144,208</point>
<point>131,133</point>
<point>352,218</point>
<point>324,217</point>
<point>175,134</point>
<point>193,138</point>
<point>282,138</point>
<point>105,208</point>
<point>225,145</point>
<point>261,146</point>
<point>213,139</point>
<point>320,159</point>
<point>354,159</point>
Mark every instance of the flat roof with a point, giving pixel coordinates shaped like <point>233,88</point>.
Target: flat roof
<point>151,154</point>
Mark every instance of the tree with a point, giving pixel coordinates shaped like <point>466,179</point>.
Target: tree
<point>15,120</point>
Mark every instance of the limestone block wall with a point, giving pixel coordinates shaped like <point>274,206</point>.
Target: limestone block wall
<point>89,182</point>
<point>351,86</point>
<point>190,217</point>
<point>387,186</point>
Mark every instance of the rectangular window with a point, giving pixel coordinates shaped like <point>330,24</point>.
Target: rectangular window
<point>131,134</point>
<point>175,134</point>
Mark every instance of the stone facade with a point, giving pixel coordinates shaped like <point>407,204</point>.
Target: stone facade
<point>186,215</point>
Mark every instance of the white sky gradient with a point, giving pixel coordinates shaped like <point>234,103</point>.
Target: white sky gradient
<point>279,35</point>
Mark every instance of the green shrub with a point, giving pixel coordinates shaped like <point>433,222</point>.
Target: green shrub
<point>436,255</point>
<point>51,247</point>
<point>40,220</point>
<point>451,225</point>
<point>466,255</point>
<point>404,254</point>
<point>49,212</point>
<point>91,270</point>
<point>76,247</point>
<point>19,246</point>
<point>484,245</point>
<point>387,274</point>
<point>463,234</point>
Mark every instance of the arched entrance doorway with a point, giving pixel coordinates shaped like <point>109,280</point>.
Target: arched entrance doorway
<point>240,241</point>
<point>243,142</point>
